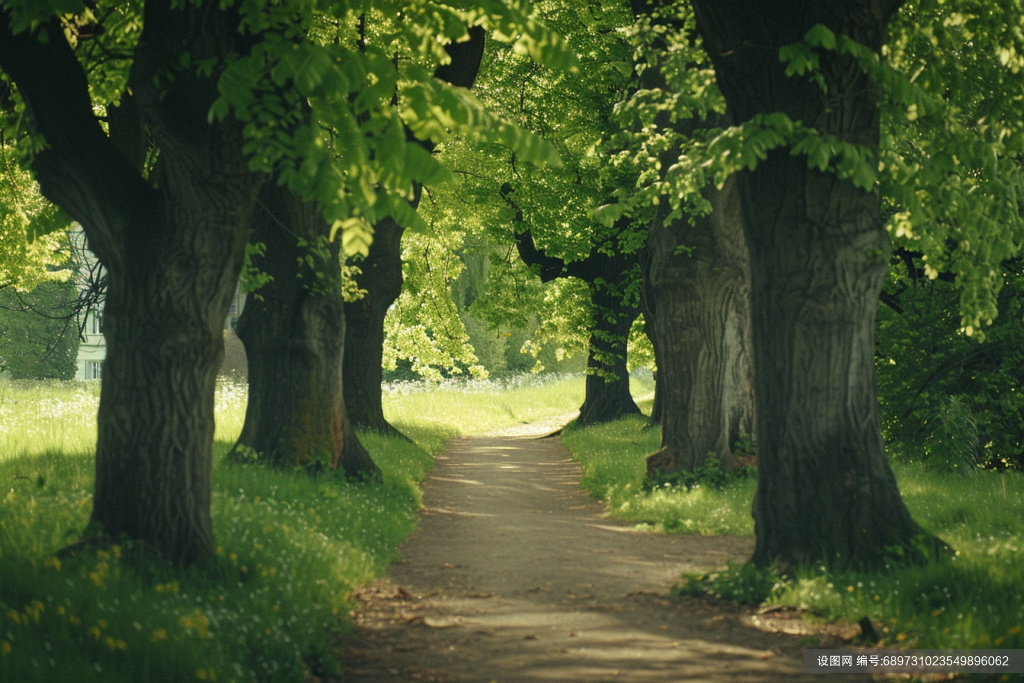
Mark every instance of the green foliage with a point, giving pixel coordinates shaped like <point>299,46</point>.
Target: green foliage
<point>924,358</point>
<point>953,443</point>
<point>708,474</point>
<point>613,461</point>
<point>742,583</point>
<point>973,601</point>
<point>291,550</point>
<point>473,406</point>
<point>38,335</point>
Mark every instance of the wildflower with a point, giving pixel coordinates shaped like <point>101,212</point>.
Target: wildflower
<point>60,610</point>
<point>1014,631</point>
<point>116,549</point>
<point>233,558</point>
<point>5,647</point>
<point>14,616</point>
<point>110,642</point>
<point>103,554</point>
<point>901,637</point>
<point>936,613</point>
<point>849,589</point>
<point>94,631</point>
<point>158,635</point>
<point>74,620</point>
<point>102,623</point>
<point>52,562</point>
<point>877,598</point>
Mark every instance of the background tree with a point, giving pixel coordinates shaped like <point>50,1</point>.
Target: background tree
<point>825,490</point>
<point>210,86</point>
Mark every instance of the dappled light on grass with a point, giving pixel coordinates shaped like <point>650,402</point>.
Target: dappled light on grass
<point>290,550</point>
<point>468,406</point>
<point>612,457</point>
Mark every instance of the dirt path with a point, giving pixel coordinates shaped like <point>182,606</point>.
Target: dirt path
<point>514,576</point>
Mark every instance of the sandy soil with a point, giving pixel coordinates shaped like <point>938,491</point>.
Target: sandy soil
<point>515,576</point>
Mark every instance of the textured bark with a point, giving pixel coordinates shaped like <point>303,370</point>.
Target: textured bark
<point>172,252</point>
<point>826,492</point>
<point>294,335</point>
<point>381,276</point>
<point>703,331</point>
<point>607,394</point>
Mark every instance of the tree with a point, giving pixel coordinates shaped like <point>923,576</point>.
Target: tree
<point>825,489</point>
<point>221,91</point>
<point>381,273</point>
<point>37,337</point>
<point>608,271</point>
<point>696,281</point>
<point>293,329</point>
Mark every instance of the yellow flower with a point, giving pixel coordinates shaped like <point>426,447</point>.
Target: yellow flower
<point>5,647</point>
<point>936,612</point>
<point>233,558</point>
<point>94,632</point>
<point>158,635</point>
<point>74,620</point>
<point>998,641</point>
<point>877,598</point>
<point>220,550</point>
<point>110,642</point>
<point>103,554</point>
<point>849,589</point>
<point>1014,631</point>
<point>14,616</point>
<point>117,550</point>
<point>983,638</point>
<point>901,637</point>
<point>52,562</point>
<point>60,610</point>
<point>102,623</point>
<point>274,608</point>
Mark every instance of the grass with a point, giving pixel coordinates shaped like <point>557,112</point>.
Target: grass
<point>290,548</point>
<point>973,601</point>
<point>612,457</point>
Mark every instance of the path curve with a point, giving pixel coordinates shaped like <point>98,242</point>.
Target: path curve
<point>515,576</point>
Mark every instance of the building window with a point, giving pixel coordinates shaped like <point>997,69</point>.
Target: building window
<point>97,323</point>
<point>94,369</point>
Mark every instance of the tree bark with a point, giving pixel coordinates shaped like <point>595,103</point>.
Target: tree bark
<point>607,394</point>
<point>172,252</point>
<point>381,275</point>
<point>703,333</point>
<point>826,492</point>
<point>293,329</point>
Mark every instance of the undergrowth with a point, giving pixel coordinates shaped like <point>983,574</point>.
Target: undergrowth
<point>613,460</point>
<point>975,600</point>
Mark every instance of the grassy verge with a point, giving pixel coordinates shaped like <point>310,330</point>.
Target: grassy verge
<point>612,459</point>
<point>973,601</point>
<point>290,551</point>
<point>290,548</point>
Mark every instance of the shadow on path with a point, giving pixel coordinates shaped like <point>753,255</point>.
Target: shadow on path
<point>514,576</point>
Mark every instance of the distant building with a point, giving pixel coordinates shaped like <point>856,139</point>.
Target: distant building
<point>92,349</point>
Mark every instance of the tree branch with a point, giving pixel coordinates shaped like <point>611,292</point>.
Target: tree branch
<point>80,170</point>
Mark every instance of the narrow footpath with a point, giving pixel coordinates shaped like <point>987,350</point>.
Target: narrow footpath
<point>515,576</point>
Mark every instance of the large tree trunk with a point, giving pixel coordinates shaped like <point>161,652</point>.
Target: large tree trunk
<point>826,492</point>
<point>703,332</point>
<point>293,330</point>
<point>381,277</point>
<point>607,394</point>
<point>173,253</point>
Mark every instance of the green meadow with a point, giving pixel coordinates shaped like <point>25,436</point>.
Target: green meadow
<point>291,548</point>
<point>975,600</point>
